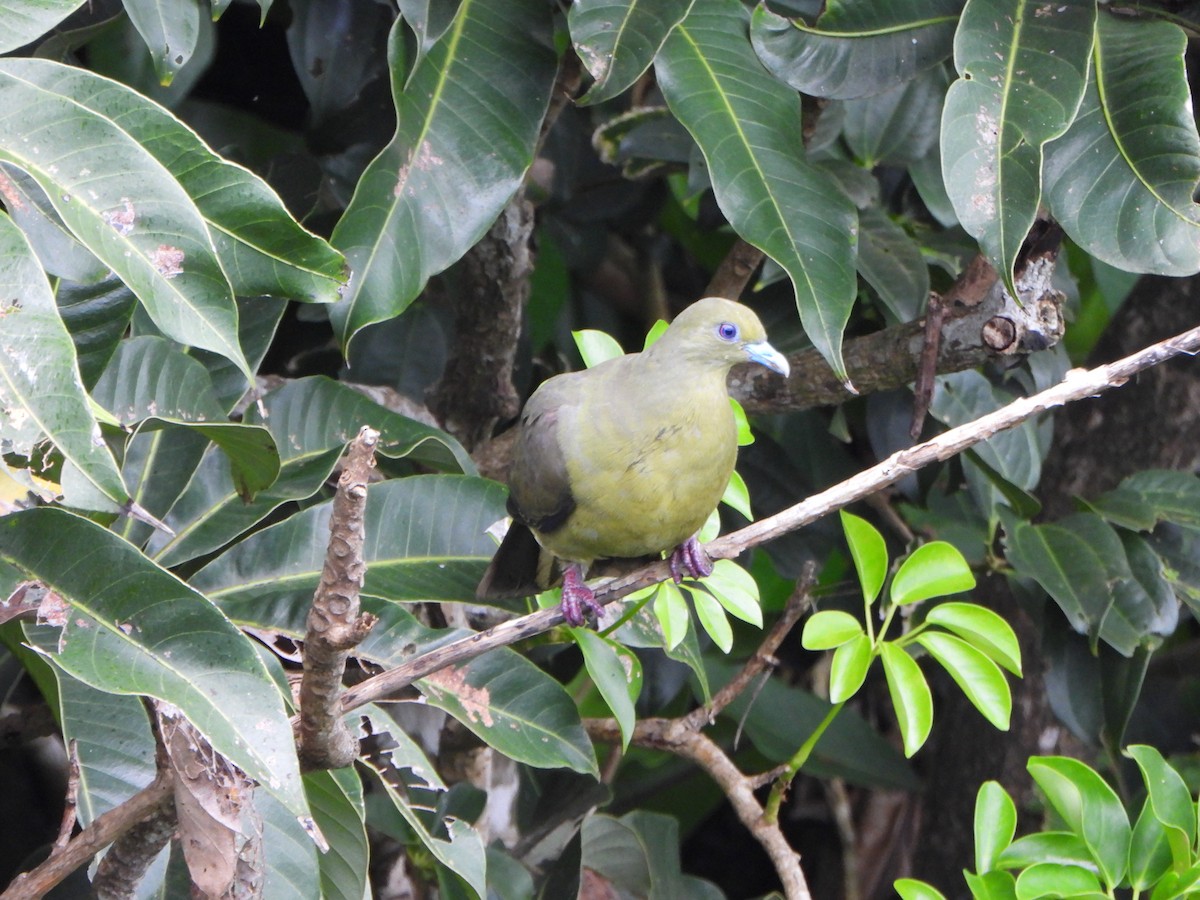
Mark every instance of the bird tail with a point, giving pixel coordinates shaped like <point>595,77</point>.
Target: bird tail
<point>514,570</point>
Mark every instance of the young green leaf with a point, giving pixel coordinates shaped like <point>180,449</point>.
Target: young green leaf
<point>911,889</point>
<point>712,617</point>
<point>596,346</point>
<point>932,570</point>
<point>1051,879</point>
<point>995,824</point>
<point>848,669</point>
<point>737,494</point>
<point>736,590</point>
<point>672,613</point>
<point>1169,799</point>
<point>992,886</point>
<point>980,678</point>
<point>829,628</point>
<point>910,696</point>
<point>1060,846</point>
<point>982,628</point>
<point>869,553</point>
<point>1150,852</point>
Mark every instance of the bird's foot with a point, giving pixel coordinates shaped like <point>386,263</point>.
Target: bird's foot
<point>578,600</point>
<point>689,558</point>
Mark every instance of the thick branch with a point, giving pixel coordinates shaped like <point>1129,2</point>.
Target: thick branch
<point>335,626</point>
<point>1078,385</point>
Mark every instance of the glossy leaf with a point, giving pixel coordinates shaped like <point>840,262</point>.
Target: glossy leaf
<point>736,590</point>
<point>468,119</point>
<point>311,420</point>
<point>935,569</point>
<point>97,316</point>
<point>617,40</point>
<point>170,29</point>
<point>516,708</point>
<point>856,48</point>
<point>41,390</point>
<point>910,695</point>
<point>1090,808</point>
<point>25,21</point>
<point>426,540</point>
<point>596,346</point>
<point>1063,847</point>
<point>1051,879</point>
<point>1022,69</point>
<point>869,552</point>
<point>1150,854</point>
<point>672,613</point>
<point>911,889</point>
<point>146,632</point>
<point>980,678</point>
<point>712,617</point>
<point>617,674</point>
<point>982,628</point>
<point>829,628</point>
<point>60,128</point>
<point>1121,180</point>
<point>746,124</point>
<point>1169,799</point>
<point>995,824</point>
<point>849,666</point>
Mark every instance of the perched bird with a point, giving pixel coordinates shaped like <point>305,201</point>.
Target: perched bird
<point>628,458</point>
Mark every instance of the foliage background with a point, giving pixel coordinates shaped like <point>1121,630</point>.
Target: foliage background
<point>158,279</point>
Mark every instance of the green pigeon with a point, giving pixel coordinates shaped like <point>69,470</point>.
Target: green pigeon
<point>628,459</point>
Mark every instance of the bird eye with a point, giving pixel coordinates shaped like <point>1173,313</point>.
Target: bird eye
<point>727,331</point>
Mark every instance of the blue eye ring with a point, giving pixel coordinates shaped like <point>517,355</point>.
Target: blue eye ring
<point>727,331</point>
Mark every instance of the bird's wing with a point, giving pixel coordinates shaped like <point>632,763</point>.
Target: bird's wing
<point>539,486</point>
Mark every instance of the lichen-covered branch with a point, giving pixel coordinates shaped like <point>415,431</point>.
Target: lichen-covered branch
<point>335,626</point>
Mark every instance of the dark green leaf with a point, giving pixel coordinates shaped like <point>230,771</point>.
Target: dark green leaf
<point>1120,181</point>
<point>133,628</point>
<point>617,39</point>
<point>336,798</point>
<point>97,315</point>
<point>899,126</point>
<point>41,391</point>
<point>746,124</point>
<point>25,21</point>
<point>170,29</point>
<point>891,263</point>
<point>1174,496</point>
<point>1022,69</point>
<point>858,47</point>
<point>468,121</point>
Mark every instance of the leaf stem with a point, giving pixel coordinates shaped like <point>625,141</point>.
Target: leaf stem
<point>799,758</point>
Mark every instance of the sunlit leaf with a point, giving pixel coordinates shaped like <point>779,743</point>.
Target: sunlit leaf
<point>910,695</point>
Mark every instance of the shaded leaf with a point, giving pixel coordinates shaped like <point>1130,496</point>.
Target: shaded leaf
<point>336,799</point>
<point>898,126</point>
<point>170,29</point>
<point>747,125</point>
<point>856,48</point>
<point>891,263</point>
<point>617,39</point>
<point>617,674</point>
<point>468,120</point>
<point>1022,69</point>
<point>1121,180</point>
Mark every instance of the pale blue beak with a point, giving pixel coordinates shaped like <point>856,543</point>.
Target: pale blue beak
<point>764,354</point>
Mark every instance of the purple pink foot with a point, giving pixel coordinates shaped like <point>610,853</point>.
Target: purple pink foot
<point>577,598</point>
<point>689,558</point>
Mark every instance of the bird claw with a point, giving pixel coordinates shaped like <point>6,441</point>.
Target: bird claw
<point>689,558</point>
<point>578,600</point>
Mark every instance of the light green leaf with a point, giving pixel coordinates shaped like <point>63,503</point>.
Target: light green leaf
<point>910,696</point>
<point>1150,853</point>
<point>911,889</point>
<point>857,47</point>
<point>982,628</point>
<point>995,824</point>
<point>1051,879</point>
<point>617,39</point>
<point>468,119</point>
<point>747,125</point>
<point>1121,180</point>
<point>1022,69</point>
<point>61,129</point>
<point>992,886</point>
<point>736,590</point>
<point>41,391</point>
<point>829,628</point>
<point>737,495</point>
<point>848,669</point>
<point>672,613</point>
<point>617,674</point>
<point>869,552</point>
<point>1090,808</point>
<point>1045,846</point>
<point>1170,801</point>
<point>133,628</point>
<point>712,617</point>
<point>980,678</point>
<point>596,346</point>
<point>932,570</point>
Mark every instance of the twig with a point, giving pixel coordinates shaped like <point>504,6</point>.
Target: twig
<point>935,315</point>
<point>103,831</point>
<point>70,803</point>
<point>1078,385</point>
<point>674,736</point>
<point>335,626</point>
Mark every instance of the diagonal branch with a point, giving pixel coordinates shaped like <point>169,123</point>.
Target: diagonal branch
<point>1078,385</point>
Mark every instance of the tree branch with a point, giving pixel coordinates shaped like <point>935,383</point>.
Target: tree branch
<point>1078,384</point>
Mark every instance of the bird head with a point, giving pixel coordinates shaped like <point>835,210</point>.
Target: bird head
<point>723,333</point>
